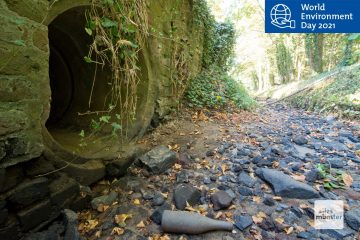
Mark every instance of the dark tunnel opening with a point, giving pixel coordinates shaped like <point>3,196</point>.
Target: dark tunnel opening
<point>72,79</point>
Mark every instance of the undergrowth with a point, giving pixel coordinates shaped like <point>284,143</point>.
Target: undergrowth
<point>213,87</point>
<point>341,97</point>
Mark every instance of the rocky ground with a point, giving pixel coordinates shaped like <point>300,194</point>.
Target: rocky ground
<point>261,171</point>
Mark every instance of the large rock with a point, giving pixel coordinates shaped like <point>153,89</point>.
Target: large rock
<point>63,190</point>
<point>71,222</point>
<point>221,200</point>
<point>186,193</point>
<point>29,192</point>
<point>352,218</point>
<point>285,186</point>
<point>158,159</point>
<point>34,215</point>
<point>105,200</point>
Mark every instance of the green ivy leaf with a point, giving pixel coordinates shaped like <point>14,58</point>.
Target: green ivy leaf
<point>107,23</point>
<point>88,31</point>
<point>87,59</point>
<point>105,119</point>
<point>116,126</point>
<point>82,133</point>
<point>20,43</point>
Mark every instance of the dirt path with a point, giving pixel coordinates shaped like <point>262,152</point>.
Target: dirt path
<point>232,154</point>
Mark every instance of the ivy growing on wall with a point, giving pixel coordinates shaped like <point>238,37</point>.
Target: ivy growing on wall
<point>283,62</point>
<point>213,87</point>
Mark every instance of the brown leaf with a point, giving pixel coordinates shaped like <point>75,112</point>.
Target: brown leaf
<point>141,225</point>
<point>177,166</point>
<point>347,179</point>
<point>257,199</point>
<point>279,220</point>
<point>121,218</point>
<point>102,208</point>
<point>117,231</point>
<point>289,230</point>
<point>300,178</point>
<point>136,201</point>
<point>98,234</point>
<point>277,198</point>
<point>257,219</point>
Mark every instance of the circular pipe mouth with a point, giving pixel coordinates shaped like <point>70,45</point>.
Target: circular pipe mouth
<point>73,81</point>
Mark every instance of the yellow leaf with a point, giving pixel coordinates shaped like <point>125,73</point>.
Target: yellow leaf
<point>347,179</point>
<point>261,214</point>
<point>218,215</point>
<point>92,224</point>
<point>177,166</point>
<point>98,234</point>
<point>289,230</point>
<point>121,218</point>
<point>140,224</point>
<point>279,220</point>
<point>102,208</point>
<point>277,198</point>
<point>310,222</point>
<point>136,201</point>
<point>117,231</point>
<point>304,206</point>
<point>165,195</point>
<point>256,219</point>
<point>257,199</point>
<point>300,178</point>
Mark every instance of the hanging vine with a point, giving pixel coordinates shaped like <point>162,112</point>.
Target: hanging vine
<point>119,29</point>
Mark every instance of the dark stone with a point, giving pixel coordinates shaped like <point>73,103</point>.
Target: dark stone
<point>105,200</point>
<point>34,215</point>
<point>38,166</point>
<point>118,168</point>
<point>268,224</point>
<point>221,200</point>
<point>245,191</point>
<point>285,186</point>
<point>182,177</point>
<point>10,230</point>
<point>29,192</point>
<point>300,140</point>
<point>81,203</point>
<point>156,216</point>
<point>243,221</point>
<point>3,215</point>
<point>312,175</point>
<point>337,146</point>
<point>13,176</point>
<point>210,153</point>
<point>297,211</point>
<point>336,162</point>
<point>158,200</point>
<point>290,218</point>
<point>304,235</point>
<point>71,228</point>
<point>213,178</point>
<point>269,201</point>
<point>246,180</point>
<point>186,193</point>
<point>352,218</point>
<point>158,159</point>
<point>338,233</point>
<point>63,189</point>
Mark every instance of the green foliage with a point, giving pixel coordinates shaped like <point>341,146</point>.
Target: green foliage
<point>341,96</point>
<point>334,177</point>
<point>283,62</point>
<point>213,89</point>
<point>314,46</point>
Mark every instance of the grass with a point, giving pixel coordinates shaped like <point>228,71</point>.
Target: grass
<point>338,95</point>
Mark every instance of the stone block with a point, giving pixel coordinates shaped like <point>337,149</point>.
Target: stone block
<point>10,230</point>
<point>13,176</point>
<point>34,215</point>
<point>38,166</point>
<point>63,189</point>
<point>28,192</point>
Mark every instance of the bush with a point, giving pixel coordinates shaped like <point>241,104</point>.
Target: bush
<point>213,89</point>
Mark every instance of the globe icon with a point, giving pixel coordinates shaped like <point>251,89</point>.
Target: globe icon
<point>280,13</point>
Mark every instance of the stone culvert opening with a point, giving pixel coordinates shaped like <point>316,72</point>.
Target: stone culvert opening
<point>71,80</point>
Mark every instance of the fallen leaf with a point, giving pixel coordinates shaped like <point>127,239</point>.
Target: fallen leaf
<point>347,179</point>
<point>300,178</point>
<point>256,219</point>
<point>140,224</point>
<point>177,166</point>
<point>218,215</point>
<point>117,231</point>
<point>102,208</point>
<point>257,199</point>
<point>136,201</point>
<point>121,218</point>
<point>165,195</point>
<point>289,230</point>
<point>98,234</point>
<point>277,198</point>
<point>279,220</point>
<point>311,222</point>
<point>304,206</point>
